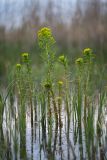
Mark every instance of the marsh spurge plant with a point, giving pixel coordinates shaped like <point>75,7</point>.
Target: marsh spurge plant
<point>85,110</point>
<point>24,90</point>
<point>46,43</point>
<point>64,61</point>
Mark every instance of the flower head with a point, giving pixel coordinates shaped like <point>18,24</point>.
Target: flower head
<point>63,60</point>
<point>18,66</point>
<point>25,57</point>
<point>79,61</point>
<point>87,51</point>
<point>88,55</point>
<point>45,37</point>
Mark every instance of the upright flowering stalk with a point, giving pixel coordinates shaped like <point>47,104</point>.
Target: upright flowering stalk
<point>26,61</point>
<point>88,57</point>
<point>64,61</point>
<point>79,64</point>
<point>18,75</point>
<point>28,80</point>
<point>20,86</point>
<point>46,42</point>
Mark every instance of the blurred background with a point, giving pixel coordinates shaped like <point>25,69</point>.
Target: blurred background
<point>76,24</point>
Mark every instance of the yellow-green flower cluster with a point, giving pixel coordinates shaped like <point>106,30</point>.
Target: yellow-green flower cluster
<point>62,58</point>
<point>45,37</point>
<point>25,57</point>
<point>87,51</point>
<point>79,61</point>
<point>18,66</point>
<point>88,55</point>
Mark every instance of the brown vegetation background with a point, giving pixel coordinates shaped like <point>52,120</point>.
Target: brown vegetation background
<point>76,24</point>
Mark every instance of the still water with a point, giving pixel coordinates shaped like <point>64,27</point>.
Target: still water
<point>67,141</point>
